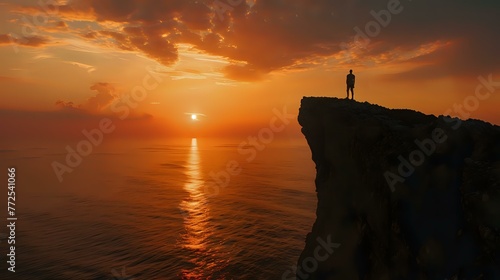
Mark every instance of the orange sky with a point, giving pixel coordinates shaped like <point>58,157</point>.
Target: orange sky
<point>145,64</point>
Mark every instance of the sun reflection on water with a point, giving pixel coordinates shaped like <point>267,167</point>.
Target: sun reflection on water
<point>196,218</point>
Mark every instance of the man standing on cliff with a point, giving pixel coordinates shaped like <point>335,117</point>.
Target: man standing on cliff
<point>350,80</point>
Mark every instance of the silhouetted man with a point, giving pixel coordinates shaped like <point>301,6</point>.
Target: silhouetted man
<point>350,80</point>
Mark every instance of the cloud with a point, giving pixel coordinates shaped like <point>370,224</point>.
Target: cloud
<point>87,67</point>
<point>98,104</point>
<point>30,41</point>
<point>106,94</point>
<point>66,105</point>
<point>54,26</point>
<point>259,37</point>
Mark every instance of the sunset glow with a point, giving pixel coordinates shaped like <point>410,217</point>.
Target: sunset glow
<point>145,63</point>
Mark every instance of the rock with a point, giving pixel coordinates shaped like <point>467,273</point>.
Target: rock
<point>404,195</point>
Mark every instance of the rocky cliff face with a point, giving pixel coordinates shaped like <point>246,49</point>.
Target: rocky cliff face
<point>401,194</point>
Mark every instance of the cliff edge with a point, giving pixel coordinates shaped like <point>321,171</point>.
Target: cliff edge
<point>401,194</point>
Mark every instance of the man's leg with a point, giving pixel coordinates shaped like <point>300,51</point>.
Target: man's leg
<point>347,92</point>
<point>352,92</point>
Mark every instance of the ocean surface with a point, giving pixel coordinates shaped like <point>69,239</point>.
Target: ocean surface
<point>170,209</point>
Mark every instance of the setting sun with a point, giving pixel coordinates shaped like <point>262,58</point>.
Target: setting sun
<point>194,117</point>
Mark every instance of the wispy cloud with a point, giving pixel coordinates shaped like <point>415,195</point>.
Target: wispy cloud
<point>87,67</point>
<point>43,56</point>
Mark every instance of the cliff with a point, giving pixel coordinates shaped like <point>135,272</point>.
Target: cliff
<point>401,194</point>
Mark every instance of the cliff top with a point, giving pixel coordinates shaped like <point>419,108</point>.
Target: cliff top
<point>373,112</point>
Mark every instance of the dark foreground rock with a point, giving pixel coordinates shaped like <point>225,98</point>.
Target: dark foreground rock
<point>401,194</point>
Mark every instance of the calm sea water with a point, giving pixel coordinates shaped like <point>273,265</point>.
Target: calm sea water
<point>143,210</point>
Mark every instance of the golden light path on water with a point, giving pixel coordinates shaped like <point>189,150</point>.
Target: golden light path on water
<point>196,220</point>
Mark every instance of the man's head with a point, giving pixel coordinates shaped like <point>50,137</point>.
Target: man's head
<point>350,71</point>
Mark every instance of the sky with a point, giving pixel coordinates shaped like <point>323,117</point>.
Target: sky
<point>148,65</point>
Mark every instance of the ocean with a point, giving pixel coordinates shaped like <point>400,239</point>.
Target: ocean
<point>189,208</point>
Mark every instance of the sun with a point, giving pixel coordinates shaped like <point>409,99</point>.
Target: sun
<point>195,116</point>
